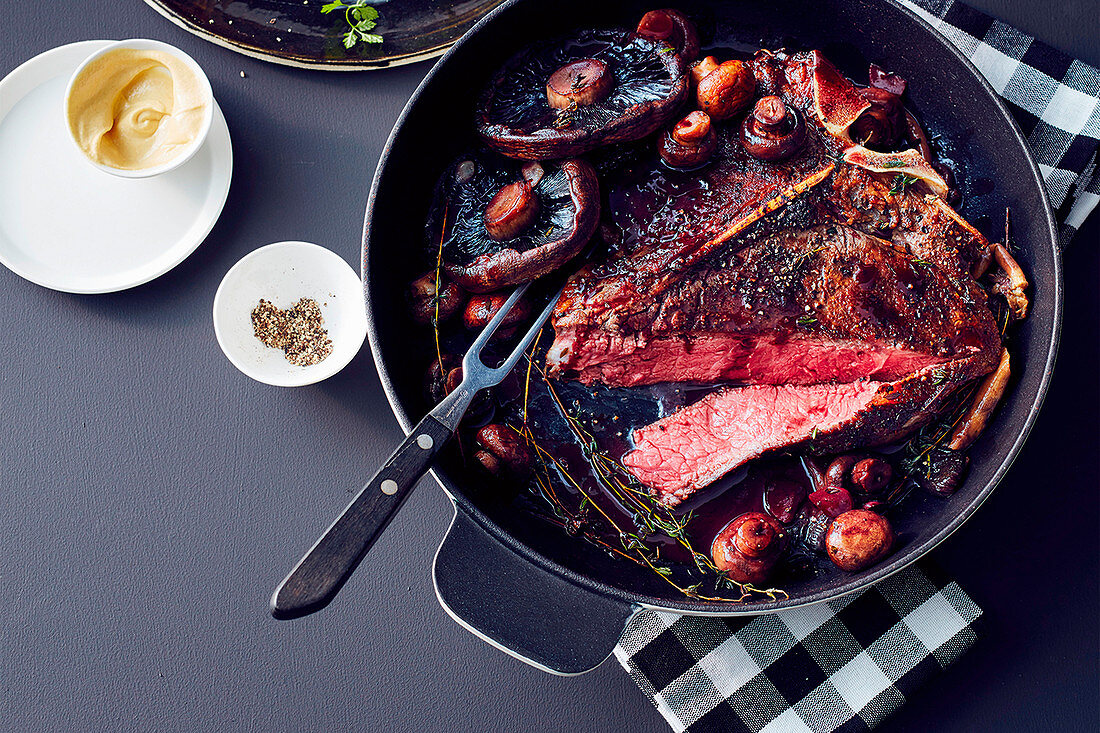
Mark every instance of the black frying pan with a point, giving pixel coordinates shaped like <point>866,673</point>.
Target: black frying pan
<point>558,602</point>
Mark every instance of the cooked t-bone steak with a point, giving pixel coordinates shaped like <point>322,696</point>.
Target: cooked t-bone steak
<point>827,304</point>
<point>831,293</point>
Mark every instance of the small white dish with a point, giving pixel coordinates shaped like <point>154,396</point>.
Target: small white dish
<point>283,273</point>
<point>68,226</point>
<point>146,44</point>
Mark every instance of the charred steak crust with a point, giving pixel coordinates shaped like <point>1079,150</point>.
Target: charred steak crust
<point>778,306</point>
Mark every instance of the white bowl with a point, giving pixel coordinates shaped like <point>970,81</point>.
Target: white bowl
<point>146,44</point>
<point>283,273</point>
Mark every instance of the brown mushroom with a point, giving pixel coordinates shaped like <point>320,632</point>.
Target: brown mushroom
<point>774,131</point>
<point>858,539</point>
<point>726,90</point>
<point>839,471</point>
<point>981,408</point>
<point>748,547</point>
<point>566,97</point>
<point>425,304</point>
<point>500,223</point>
<point>483,306</point>
<point>942,471</point>
<point>871,475</point>
<point>502,452</point>
<point>690,143</point>
<point>435,382</point>
<point>915,134</point>
<point>673,27</point>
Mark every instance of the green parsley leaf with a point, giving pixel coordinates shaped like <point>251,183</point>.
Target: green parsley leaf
<point>361,19</point>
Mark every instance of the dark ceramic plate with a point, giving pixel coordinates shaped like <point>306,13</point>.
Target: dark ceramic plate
<point>296,33</point>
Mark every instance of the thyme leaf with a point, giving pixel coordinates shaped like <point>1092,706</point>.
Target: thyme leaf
<point>902,182</point>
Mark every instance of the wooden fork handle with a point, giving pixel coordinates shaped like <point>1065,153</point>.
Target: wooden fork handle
<point>324,569</point>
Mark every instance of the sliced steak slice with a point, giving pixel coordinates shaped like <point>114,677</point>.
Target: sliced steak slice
<point>828,304</point>
<point>698,444</point>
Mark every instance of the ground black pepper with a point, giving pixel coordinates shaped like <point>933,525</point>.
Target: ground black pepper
<point>299,331</point>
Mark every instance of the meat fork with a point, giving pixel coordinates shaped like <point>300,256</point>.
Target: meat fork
<point>324,569</point>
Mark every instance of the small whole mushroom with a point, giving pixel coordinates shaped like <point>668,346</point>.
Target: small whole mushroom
<point>724,89</point>
<point>833,500</point>
<point>748,547</point>
<point>423,301</point>
<point>943,472</point>
<point>871,475</point>
<point>435,381</point>
<point>502,452</point>
<point>583,82</point>
<point>858,539</point>
<point>774,131</point>
<point>672,26</point>
<point>481,308</point>
<point>690,143</point>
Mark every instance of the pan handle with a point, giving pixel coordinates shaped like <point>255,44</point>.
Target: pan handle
<point>526,611</point>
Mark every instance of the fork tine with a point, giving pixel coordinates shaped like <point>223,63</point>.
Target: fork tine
<point>474,352</point>
<point>528,337</point>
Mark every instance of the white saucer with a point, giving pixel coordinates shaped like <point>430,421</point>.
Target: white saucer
<point>68,226</point>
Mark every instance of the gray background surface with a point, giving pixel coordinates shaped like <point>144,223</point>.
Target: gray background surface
<point>152,496</point>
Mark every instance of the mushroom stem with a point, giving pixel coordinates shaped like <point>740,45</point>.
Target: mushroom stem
<point>985,401</point>
<point>692,129</point>
<point>583,82</point>
<point>915,134</point>
<point>704,67</point>
<point>511,210</point>
<point>690,142</point>
<point>981,265</point>
<point>1013,285</point>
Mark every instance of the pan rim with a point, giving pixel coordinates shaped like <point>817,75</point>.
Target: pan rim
<point>704,608</point>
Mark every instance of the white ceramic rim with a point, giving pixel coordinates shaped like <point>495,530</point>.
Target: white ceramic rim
<point>308,376</point>
<point>148,44</point>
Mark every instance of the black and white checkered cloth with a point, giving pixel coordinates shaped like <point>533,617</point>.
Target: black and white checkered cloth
<point>1053,97</point>
<point>843,665</point>
<point>846,665</point>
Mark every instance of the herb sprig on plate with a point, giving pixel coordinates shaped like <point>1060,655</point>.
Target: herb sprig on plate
<point>361,18</point>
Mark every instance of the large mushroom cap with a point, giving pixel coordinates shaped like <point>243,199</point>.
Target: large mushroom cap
<point>647,87</point>
<point>480,191</point>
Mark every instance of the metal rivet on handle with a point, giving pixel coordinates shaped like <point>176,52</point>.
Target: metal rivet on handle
<point>425,441</point>
<point>389,486</point>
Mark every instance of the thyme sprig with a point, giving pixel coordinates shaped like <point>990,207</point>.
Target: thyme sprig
<point>649,517</point>
<point>361,19</point>
<point>438,293</point>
